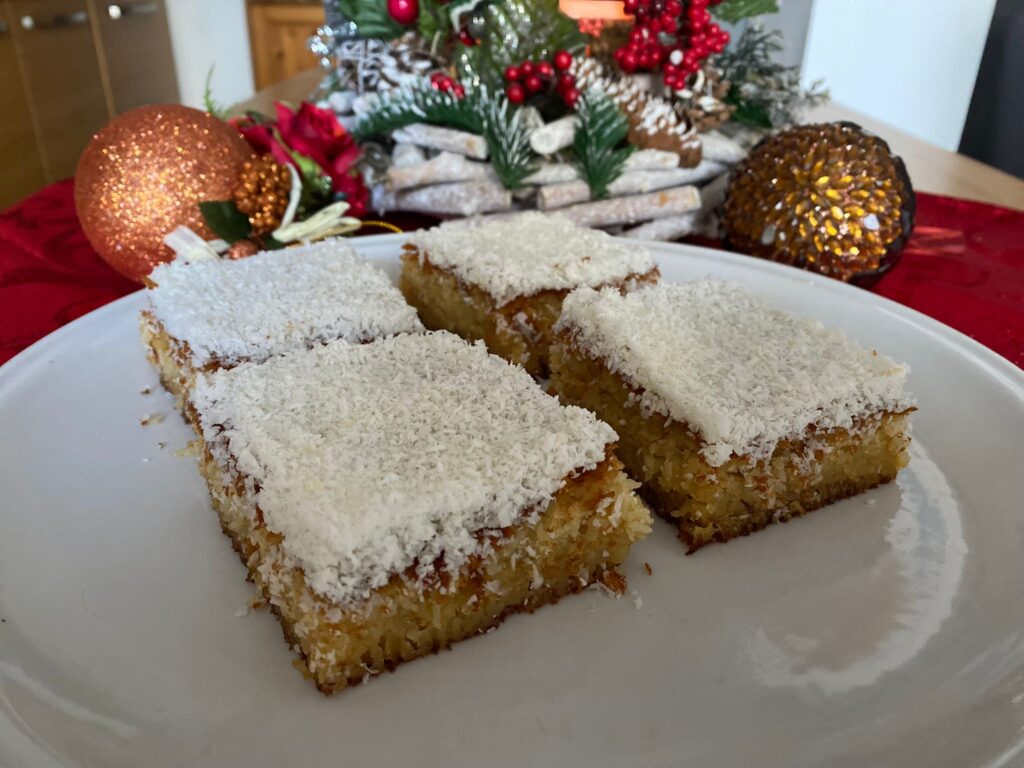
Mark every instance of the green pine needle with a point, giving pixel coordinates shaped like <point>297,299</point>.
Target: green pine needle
<point>733,11</point>
<point>596,148</point>
<point>419,103</point>
<point>508,141</point>
<point>209,103</point>
<point>766,93</point>
<point>478,112</point>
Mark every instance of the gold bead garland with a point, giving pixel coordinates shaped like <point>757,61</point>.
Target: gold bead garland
<point>262,193</point>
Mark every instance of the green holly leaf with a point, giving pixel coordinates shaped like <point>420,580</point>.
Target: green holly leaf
<point>514,31</point>
<point>732,11</point>
<point>371,18</point>
<point>225,220</point>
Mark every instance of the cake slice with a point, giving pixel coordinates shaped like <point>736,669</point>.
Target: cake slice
<point>503,280</point>
<point>208,315</point>
<point>731,413</point>
<point>392,498</point>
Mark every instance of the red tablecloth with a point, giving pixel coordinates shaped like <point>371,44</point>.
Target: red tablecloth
<point>964,266</point>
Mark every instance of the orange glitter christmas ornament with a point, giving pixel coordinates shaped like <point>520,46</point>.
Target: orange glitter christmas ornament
<point>830,198</point>
<point>145,173</point>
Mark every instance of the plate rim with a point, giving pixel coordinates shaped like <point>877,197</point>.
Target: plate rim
<point>1005,371</point>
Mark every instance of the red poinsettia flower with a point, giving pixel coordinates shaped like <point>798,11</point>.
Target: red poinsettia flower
<point>314,133</point>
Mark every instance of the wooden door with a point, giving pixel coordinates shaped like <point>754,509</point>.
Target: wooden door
<point>136,47</point>
<point>21,168</point>
<point>278,33</point>
<point>61,75</point>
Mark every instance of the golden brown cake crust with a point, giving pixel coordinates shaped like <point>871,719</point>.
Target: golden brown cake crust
<point>583,535</point>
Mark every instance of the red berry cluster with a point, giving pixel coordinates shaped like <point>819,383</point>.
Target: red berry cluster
<point>439,81</point>
<point>671,37</point>
<point>532,77</point>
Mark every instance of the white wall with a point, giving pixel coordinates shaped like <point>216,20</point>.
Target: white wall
<point>909,63</point>
<point>207,33</point>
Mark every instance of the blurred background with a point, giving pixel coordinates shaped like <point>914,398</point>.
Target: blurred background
<point>951,73</point>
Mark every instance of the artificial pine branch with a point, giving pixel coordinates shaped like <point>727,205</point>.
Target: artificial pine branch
<point>210,104</point>
<point>478,112</point>
<point>733,11</point>
<point>419,103</point>
<point>767,94</point>
<point>508,141</point>
<point>596,148</point>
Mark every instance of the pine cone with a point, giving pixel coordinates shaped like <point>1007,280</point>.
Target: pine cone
<point>703,105</point>
<point>262,193</point>
<point>371,65</point>
<point>653,123</point>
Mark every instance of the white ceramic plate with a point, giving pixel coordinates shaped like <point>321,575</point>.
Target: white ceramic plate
<point>886,630</point>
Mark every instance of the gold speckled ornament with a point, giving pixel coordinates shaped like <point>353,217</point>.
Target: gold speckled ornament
<point>145,173</point>
<point>830,198</point>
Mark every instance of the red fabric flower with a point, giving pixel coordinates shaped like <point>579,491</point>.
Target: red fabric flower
<point>354,189</point>
<point>316,134</point>
<point>261,138</point>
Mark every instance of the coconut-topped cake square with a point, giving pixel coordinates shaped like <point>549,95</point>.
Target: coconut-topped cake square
<point>218,313</point>
<point>392,498</point>
<point>503,280</point>
<point>731,412</point>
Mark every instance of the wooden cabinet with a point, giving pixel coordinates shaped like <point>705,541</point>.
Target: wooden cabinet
<point>61,75</point>
<point>22,166</point>
<point>66,68</point>
<point>136,49</point>
<point>278,33</point>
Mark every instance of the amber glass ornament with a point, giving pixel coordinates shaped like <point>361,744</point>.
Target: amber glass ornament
<point>831,198</point>
<point>262,193</point>
<point>145,173</point>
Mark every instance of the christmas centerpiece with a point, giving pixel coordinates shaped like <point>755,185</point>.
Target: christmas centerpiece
<point>481,107</point>
<point>638,122</point>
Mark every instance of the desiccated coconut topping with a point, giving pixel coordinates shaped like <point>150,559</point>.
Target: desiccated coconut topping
<point>277,301</point>
<point>371,458</point>
<point>741,373</point>
<point>528,253</point>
